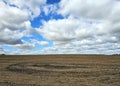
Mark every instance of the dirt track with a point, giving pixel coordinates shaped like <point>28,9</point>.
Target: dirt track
<point>60,70</point>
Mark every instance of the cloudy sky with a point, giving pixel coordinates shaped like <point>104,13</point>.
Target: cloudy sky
<point>59,26</point>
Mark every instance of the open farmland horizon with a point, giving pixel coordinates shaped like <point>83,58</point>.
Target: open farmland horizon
<point>59,42</point>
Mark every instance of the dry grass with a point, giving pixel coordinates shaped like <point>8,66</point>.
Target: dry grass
<point>60,70</point>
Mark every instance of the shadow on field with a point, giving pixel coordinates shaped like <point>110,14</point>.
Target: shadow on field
<point>106,72</point>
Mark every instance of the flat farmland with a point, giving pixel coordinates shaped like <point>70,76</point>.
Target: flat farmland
<point>60,70</point>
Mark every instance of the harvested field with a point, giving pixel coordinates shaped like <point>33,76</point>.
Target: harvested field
<point>60,70</point>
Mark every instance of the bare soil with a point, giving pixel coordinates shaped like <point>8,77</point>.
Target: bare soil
<point>60,70</point>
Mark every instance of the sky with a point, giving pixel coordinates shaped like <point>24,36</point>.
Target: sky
<point>59,27</point>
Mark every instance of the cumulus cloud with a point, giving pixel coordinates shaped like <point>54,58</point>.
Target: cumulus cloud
<point>104,11</point>
<point>10,37</point>
<point>30,6</point>
<point>24,46</point>
<point>90,9</point>
<point>88,26</point>
<point>41,43</point>
<point>15,23</point>
<point>71,29</point>
<point>12,17</point>
<point>65,29</point>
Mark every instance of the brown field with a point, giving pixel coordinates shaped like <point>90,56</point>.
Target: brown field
<point>60,70</point>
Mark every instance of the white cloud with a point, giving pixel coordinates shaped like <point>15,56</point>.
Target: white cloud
<point>24,46</point>
<point>64,30</point>
<point>104,11</point>
<point>90,9</point>
<point>12,17</point>
<point>30,6</point>
<point>10,37</point>
<point>50,9</point>
<point>41,43</point>
<point>15,23</point>
<point>89,27</point>
<point>15,19</point>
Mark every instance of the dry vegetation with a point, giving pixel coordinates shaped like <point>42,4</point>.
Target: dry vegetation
<point>60,70</point>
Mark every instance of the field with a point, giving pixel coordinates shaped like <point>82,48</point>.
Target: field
<point>60,70</point>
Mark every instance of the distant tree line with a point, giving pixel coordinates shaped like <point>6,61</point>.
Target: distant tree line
<point>116,54</point>
<point>2,54</point>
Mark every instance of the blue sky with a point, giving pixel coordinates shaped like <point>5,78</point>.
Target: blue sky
<point>59,27</point>
<point>52,1</point>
